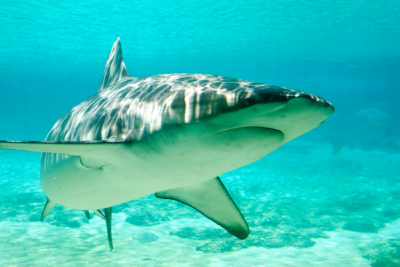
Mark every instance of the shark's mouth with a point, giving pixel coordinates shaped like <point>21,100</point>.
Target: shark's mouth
<point>248,144</point>
<point>255,128</point>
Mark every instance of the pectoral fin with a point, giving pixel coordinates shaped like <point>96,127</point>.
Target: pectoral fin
<point>47,208</point>
<point>100,214</point>
<point>212,200</point>
<point>93,154</point>
<point>87,214</point>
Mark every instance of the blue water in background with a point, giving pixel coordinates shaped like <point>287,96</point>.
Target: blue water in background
<point>346,52</point>
<point>53,54</point>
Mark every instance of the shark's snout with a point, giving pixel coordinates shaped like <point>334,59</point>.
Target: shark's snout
<point>281,94</point>
<point>319,100</point>
<point>291,112</point>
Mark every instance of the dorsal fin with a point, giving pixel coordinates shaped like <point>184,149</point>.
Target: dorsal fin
<point>115,67</point>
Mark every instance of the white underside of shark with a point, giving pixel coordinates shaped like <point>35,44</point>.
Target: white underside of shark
<point>171,135</point>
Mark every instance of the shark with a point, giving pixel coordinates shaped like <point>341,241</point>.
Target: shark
<point>171,135</point>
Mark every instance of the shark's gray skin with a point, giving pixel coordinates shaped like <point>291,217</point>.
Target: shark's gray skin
<point>171,135</point>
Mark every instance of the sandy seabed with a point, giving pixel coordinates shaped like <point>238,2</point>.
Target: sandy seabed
<point>39,244</point>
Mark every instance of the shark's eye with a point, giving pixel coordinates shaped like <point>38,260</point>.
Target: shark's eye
<point>248,102</point>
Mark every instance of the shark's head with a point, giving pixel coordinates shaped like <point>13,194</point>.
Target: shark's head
<point>226,123</point>
<point>290,112</point>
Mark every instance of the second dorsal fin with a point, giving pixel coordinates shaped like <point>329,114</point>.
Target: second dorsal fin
<point>115,67</point>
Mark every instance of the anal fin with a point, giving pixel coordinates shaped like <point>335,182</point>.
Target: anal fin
<point>212,200</point>
<point>93,154</point>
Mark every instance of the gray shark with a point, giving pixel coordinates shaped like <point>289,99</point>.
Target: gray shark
<point>170,134</point>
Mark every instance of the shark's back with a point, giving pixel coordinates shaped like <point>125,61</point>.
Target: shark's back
<point>136,107</point>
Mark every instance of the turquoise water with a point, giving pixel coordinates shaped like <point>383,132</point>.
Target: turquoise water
<point>328,198</point>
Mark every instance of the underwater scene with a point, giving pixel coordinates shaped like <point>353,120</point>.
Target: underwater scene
<point>201,162</point>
